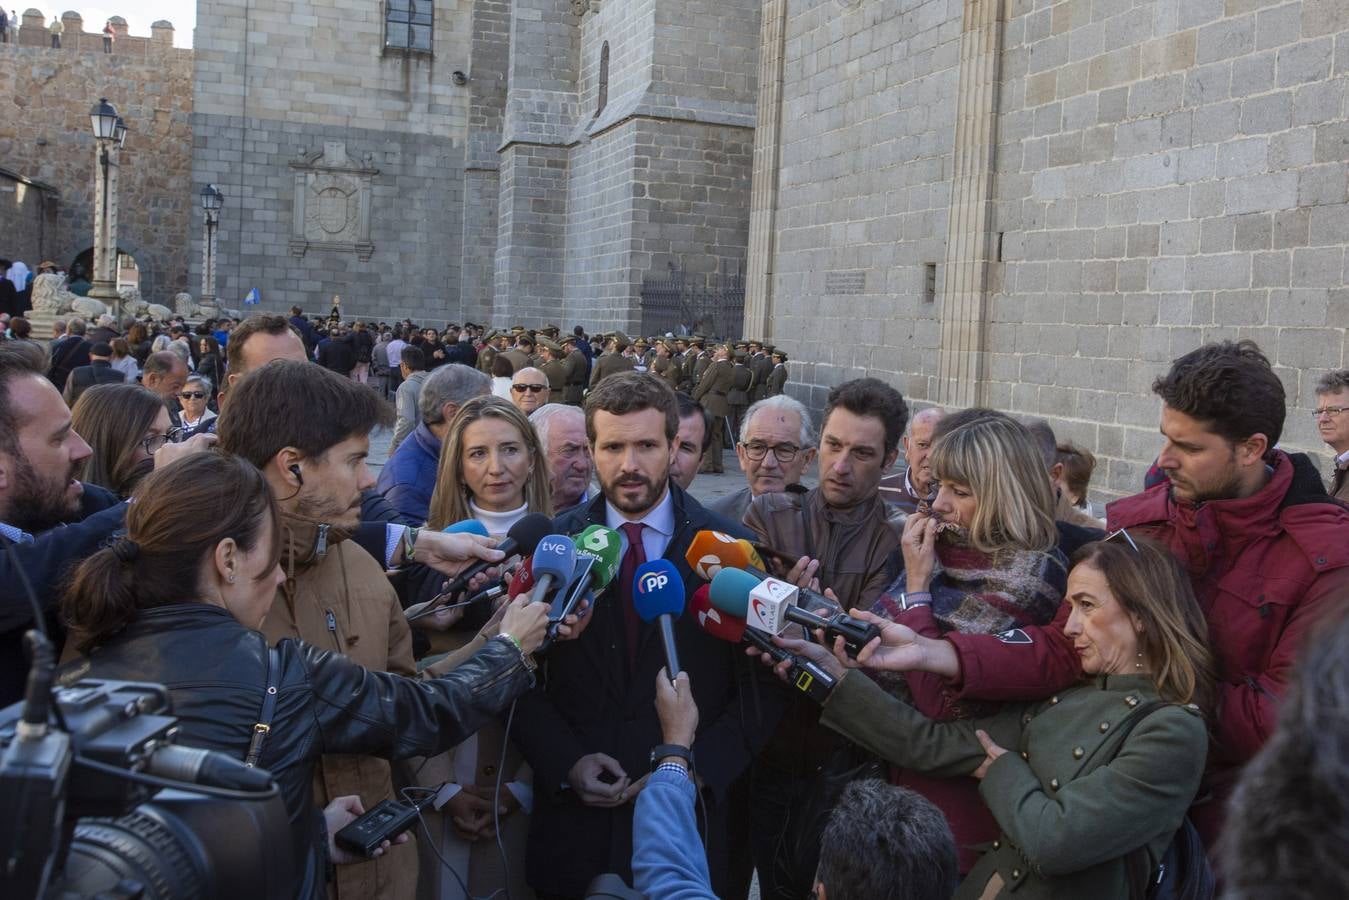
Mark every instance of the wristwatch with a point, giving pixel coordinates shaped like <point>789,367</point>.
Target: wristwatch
<point>661,751</point>
<point>909,599</point>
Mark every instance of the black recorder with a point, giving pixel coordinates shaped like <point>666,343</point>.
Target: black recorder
<point>385,822</point>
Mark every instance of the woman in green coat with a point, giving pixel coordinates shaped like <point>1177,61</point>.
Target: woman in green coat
<point>1071,800</point>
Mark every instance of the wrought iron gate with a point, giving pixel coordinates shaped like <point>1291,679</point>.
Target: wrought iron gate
<point>671,304</point>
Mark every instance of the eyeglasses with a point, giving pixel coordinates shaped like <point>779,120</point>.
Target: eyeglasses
<point>193,395</point>
<point>532,388</point>
<point>1331,411</point>
<point>1121,532</point>
<point>155,441</point>
<point>756,450</point>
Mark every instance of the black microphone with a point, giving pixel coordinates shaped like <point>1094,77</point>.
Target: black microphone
<point>523,537</point>
<point>209,767</point>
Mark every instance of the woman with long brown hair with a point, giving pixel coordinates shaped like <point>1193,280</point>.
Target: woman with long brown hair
<point>492,468</point>
<point>124,424</point>
<point>178,600</point>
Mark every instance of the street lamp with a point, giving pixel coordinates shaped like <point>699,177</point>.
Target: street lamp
<point>109,136</point>
<point>211,201</point>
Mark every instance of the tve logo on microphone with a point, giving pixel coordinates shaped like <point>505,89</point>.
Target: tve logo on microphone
<point>554,547</point>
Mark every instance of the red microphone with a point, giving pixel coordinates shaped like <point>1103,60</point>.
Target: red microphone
<point>523,582</point>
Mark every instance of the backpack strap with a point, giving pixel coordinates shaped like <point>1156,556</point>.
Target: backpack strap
<point>264,723</point>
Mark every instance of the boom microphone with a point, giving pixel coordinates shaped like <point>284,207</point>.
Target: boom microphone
<point>769,604</point>
<point>658,596</point>
<point>522,538</point>
<point>804,674</point>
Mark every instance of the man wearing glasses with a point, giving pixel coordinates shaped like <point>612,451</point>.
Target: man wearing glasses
<point>777,445</point>
<point>1332,421</point>
<point>529,389</point>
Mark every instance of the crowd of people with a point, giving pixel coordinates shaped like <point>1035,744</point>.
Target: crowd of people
<point>1053,701</point>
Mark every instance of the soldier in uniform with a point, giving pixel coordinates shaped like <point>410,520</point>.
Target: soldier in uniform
<point>665,364</point>
<point>554,367</point>
<point>576,367</point>
<point>487,353</point>
<point>761,366</point>
<point>712,390</point>
<point>702,361</point>
<point>613,361</point>
<point>521,355</point>
<point>742,381</point>
<point>777,376</point>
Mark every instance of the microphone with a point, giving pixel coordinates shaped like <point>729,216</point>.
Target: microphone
<point>468,526</point>
<point>597,560</point>
<point>522,582</point>
<point>209,767</point>
<point>770,604</point>
<point>712,551</point>
<point>658,595</point>
<point>552,564</point>
<point>804,674</point>
<point>522,538</point>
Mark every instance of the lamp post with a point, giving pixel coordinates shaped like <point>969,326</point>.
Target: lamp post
<point>109,136</point>
<point>211,201</point>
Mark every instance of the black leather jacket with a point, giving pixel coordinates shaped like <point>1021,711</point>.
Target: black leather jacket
<point>216,670</point>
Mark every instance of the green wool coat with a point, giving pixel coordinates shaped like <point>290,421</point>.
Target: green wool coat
<point>1068,810</point>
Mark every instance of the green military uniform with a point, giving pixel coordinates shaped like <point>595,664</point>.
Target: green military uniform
<point>777,380</point>
<point>485,357</point>
<point>575,366</point>
<point>555,370</point>
<point>742,381</point>
<point>711,392</point>
<point>610,364</point>
<point>701,363</point>
<point>762,366</point>
<point>667,368</point>
<point>1070,808</point>
<point>519,359</point>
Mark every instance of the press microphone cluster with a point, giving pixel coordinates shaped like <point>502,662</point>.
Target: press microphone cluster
<point>766,603</point>
<point>803,674</point>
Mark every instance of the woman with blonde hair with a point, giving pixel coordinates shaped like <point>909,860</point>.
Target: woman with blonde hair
<point>1100,775</point>
<point>492,469</point>
<point>983,558</point>
<point>124,424</point>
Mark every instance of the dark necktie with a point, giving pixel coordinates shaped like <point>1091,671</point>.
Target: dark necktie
<point>632,559</point>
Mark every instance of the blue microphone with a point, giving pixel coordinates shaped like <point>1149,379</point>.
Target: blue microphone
<point>658,596</point>
<point>468,526</point>
<point>553,562</point>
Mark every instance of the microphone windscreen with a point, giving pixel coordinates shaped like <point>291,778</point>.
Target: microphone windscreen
<point>603,544</point>
<point>523,582</point>
<point>711,551</point>
<point>719,624</point>
<point>527,532</point>
<point>729,591</point>
<point>752,555</point>
<point>657,589</point>
<point>468,526</point>
<point>555,555</point>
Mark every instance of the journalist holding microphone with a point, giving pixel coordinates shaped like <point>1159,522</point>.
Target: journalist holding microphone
<point>179,600</point>
<point>1089,787</point>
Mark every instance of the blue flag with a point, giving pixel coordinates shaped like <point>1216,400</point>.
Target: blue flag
<point>253,297</point>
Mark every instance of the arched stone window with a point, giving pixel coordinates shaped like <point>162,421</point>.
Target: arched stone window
<point>604,79</point>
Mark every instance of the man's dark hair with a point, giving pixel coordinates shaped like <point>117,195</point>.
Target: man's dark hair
<point>578,331</point>
<point>1289,825</point>
<point>413,358</point>
<point>687,407</point>
<point>287,403</point>
<point>296,311</point>
<point>871,397</point>
<point>630,392</point>
<point>1228,386</point>
<point>18,359</point>
<point>886,842</point>
<point>259,324</point>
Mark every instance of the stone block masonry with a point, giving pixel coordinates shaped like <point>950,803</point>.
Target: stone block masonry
<point>1164,174</point>
<point>45,96</point>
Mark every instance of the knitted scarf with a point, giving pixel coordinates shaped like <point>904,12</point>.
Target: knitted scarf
<point>974,592</point>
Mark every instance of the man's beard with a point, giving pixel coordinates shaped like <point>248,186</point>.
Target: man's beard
<point>642,502</point>
<point>38,502</point>
<point>329,511</point>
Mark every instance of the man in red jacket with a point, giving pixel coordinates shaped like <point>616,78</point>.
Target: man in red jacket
<point>1254,527</point>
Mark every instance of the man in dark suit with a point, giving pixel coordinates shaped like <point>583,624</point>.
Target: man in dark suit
<point>99,371</point>
<point>587,730</point>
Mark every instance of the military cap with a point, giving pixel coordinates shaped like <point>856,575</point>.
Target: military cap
<point>622,340</point>
<point>741,355</point>
<point>491,335</point>
<point>567,339</point>
<point>524,338</point>
<point>517,328</point>
<point>669,345</point>
<point>550,329</point>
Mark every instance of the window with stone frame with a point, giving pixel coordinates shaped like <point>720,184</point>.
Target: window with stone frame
<point>407,25</point>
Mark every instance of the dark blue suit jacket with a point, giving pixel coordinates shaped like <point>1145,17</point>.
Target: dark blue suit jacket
<point>587,702</point>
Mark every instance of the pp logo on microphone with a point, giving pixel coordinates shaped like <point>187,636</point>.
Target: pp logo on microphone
<point>652,583</point>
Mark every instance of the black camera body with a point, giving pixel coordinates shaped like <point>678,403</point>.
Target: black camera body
<point>78,821</point>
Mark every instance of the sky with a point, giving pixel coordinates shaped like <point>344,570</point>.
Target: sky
<point>138,14</point>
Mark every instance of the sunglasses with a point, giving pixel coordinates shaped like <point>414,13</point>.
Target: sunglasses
<point>532,388</point>
<point>193,395</point>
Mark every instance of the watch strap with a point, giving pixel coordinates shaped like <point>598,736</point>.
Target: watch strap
<point>661,751</point>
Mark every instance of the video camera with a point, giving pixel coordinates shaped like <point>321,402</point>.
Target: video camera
<point>104,802</point>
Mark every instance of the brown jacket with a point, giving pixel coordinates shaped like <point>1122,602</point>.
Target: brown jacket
<point>852,545</point>
<point>713,387</point>
<point>610,364</point>
<point>1339,485</point>
<point>668,370</point>
<point>337,597</point>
